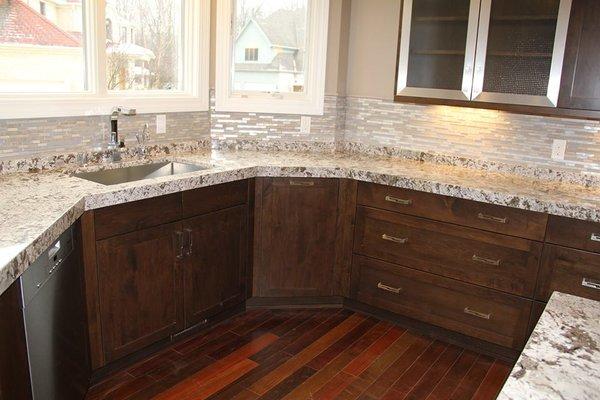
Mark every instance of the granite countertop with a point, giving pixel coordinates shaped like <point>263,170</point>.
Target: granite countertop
<point>35,208</point>
<point>562,357</point>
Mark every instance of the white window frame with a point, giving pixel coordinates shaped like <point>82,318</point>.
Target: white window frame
<point>310,101</point>
<point>97,100</point>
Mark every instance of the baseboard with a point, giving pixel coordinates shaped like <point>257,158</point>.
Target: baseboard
<point>295,302</point>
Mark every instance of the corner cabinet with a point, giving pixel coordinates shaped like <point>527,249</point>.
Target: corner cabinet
<point>485,51</point>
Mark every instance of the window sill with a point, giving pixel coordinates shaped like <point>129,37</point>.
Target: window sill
<point>74,106</point>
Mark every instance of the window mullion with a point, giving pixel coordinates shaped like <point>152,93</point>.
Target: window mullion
<point>100,47</point>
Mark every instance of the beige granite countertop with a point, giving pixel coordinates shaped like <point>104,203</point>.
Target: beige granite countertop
<point>561,360</point>
<point>35,208</point>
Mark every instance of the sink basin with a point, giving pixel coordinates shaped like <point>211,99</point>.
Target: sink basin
<point>138,172</point>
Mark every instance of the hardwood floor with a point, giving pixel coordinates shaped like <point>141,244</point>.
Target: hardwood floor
<point>308,354</point>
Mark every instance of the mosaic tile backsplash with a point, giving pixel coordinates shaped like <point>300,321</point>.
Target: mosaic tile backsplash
<point>22,138</point>
<point>473,133</point>
<point>347,123</point>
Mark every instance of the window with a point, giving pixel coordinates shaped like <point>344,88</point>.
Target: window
<point>251,55</point>
<point>148,54</point>
<point>42,8</point>
<point>271,55</point>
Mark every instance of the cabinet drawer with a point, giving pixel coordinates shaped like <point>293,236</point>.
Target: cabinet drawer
<point>507,220</point>
<point>129,217</point>
<point>575,233</point>
<point>501,262</point>
<point>212,198</point>
<point>471,310</point>
<point>569,271</point>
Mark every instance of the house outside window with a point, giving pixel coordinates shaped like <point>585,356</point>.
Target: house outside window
<point>251,54</point>
<point>277,57</point>
<point>147,54</point>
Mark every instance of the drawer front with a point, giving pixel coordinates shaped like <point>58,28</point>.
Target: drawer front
<point>506,220</point>
<point>129,217</point>
<point>584,235</point>
<point>501,262</point>
<point>569,271</point>
<point>471,310</point>
<point>213,198</point>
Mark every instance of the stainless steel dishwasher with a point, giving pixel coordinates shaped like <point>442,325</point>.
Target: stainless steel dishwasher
<point>55,322</point>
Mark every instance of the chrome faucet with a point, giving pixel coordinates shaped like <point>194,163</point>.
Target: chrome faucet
<point>142,137</point>
<point>114,144</point>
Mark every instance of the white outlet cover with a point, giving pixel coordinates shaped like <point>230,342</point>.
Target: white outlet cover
<point>559,148</point>
<point>305,124</point>
<point>161,123</point>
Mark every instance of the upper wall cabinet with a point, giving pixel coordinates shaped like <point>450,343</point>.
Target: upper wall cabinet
<point>485,51</point>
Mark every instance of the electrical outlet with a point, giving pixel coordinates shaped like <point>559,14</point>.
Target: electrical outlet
<point>161,123</point>
<point>305,124</point>
<point>559,147</point>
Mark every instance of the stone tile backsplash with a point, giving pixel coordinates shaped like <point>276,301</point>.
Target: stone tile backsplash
<point>347,123</point>
<point>473,133</point>
<point>22,138</point>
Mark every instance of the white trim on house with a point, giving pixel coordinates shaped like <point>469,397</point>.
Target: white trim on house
<point>97,100</point>
<point>311,101</point>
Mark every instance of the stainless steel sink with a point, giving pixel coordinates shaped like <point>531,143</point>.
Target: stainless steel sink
<point>138,172</point>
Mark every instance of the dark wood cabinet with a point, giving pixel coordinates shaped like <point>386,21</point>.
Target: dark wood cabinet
<point>580,85</point>
<point>295,237</point>
<point>139,282</point>
<point>215,263</point>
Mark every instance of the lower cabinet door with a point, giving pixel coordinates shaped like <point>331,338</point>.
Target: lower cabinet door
<point>215,266</point>
<point>475,311</point>
<point>139,286</point>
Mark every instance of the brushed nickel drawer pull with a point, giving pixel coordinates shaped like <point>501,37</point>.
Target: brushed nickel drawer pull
<point>595,237</point>
<point>387,288</point>
<point>397,200</point>
<point>477,314</point>
<point>484,260</point>
<point>394,239</point>
<point>590,283</point>
<point>302,183</point>
<point>492,218</point>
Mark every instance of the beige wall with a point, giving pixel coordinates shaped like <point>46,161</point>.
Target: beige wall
<point>372,48</point>
<point>339,18</point>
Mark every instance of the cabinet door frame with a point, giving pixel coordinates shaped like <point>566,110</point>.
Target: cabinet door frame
<point>558,54</point>
<point>404,53</point>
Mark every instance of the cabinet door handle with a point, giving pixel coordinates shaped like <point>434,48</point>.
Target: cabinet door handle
<point>387,288</point>
<point>492,218</point>
<point>484,260</point>
<point>302,183</point>
<point>190,241</point>
<point>590,283</point>
<point>178,242</point>
<point>595,237</point>
<point>477,314</point>
<point>394,239</point>
<point>397,200</point>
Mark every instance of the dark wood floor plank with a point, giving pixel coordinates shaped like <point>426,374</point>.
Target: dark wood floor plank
<point>334,387</point>
<point>389,377</point>
<point>437,371</point>
<point>318,331</point>
<point>307,354</point>
<point>408,379</point>
<point>469,384</point>
<point>493,381</point>
<point>378,367</point>
<point>329,371</point>
<point>342,344</point>
<point>453,377</point>
<point>302,358</point>
<point>362,362</point>
<point>288,384</point>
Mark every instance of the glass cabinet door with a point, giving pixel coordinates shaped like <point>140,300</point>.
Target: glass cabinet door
<point>437,48</point>
<point>520,50</point>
